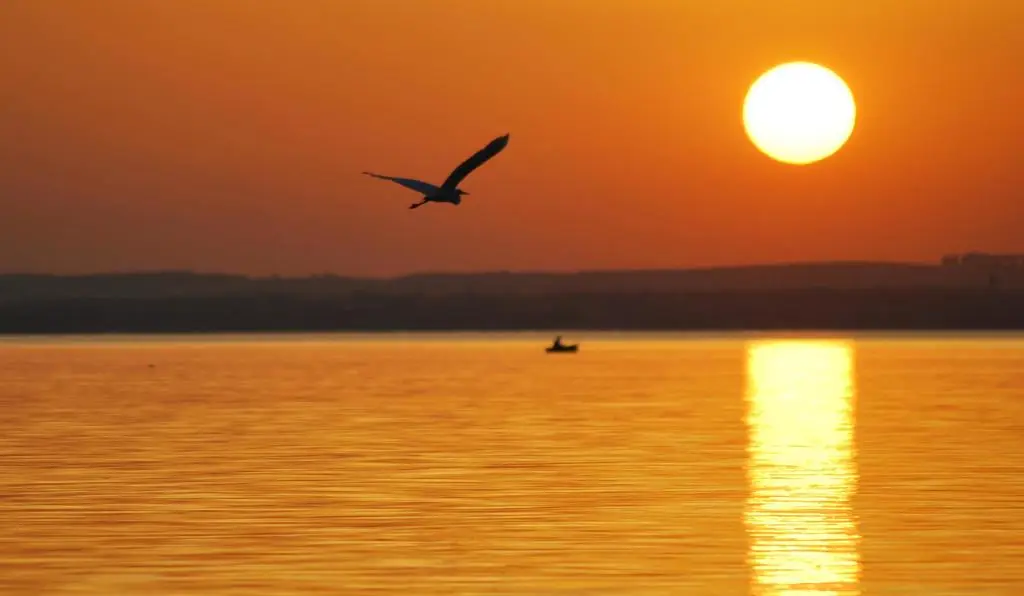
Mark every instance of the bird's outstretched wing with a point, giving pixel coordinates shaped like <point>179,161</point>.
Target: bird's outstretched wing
<point>419,186</point>
<point>474,162</point>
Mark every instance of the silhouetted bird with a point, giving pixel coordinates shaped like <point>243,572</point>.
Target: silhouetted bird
<point>449,192</point>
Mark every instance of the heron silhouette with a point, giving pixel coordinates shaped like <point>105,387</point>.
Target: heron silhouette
<point>449,191</point>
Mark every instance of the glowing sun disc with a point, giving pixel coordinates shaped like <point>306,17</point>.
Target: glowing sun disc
<point>799,113</point>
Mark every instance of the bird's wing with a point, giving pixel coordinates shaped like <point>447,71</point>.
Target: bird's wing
<point>417,185</point>
<point>474,162</point>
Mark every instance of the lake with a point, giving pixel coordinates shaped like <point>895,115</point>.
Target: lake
<point>426,464</point>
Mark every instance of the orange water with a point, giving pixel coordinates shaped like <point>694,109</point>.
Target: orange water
<point>473,464</point>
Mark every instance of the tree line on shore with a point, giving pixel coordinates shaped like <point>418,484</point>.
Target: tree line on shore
<point>796,309</point>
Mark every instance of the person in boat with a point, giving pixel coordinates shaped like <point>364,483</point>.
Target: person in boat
<point>558,342</point>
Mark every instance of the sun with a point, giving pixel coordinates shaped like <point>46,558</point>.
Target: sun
<point>799,113</point>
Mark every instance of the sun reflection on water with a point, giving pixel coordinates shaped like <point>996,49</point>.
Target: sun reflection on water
<point>801,469</point>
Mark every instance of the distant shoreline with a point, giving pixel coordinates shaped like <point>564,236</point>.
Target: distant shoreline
<point>842,297</point>
<point>891,309</point>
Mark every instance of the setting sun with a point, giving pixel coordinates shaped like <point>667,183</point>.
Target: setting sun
<point>799,113</point>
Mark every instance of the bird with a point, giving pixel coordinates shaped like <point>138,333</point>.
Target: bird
<point>449,191</point>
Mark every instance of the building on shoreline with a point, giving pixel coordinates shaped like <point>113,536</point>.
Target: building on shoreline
<point>980,260</point>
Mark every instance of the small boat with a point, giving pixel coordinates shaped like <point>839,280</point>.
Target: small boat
<point>558,346</point>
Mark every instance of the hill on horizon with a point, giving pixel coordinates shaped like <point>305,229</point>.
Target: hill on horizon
<point>780,276</point>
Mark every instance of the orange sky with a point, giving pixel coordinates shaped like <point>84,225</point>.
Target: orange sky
<point>227,135</point>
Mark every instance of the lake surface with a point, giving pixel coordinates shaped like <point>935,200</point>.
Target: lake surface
<point>473,464</point>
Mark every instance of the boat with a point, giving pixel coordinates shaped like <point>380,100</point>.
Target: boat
<point>557,346</point>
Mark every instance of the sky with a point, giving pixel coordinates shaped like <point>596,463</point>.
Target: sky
<point>230,136</point>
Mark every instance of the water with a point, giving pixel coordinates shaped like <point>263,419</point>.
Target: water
<point>472,464</point>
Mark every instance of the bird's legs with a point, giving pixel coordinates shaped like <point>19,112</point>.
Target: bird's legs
<point>415,205</point>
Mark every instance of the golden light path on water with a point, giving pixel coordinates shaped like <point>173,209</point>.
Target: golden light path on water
<point>801,468</point>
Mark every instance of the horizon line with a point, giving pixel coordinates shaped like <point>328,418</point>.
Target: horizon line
<point>478,272</point>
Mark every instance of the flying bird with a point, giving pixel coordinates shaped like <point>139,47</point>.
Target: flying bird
<point>449,191</point>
